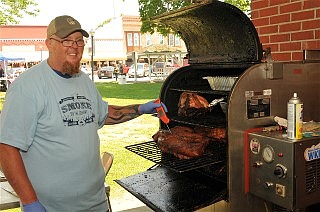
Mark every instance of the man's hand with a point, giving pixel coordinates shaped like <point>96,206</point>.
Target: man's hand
<point>34,207</point>
<point>150,107</point>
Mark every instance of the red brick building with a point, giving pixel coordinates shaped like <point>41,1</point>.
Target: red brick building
<point>287,26</point>
<point>26,41</point>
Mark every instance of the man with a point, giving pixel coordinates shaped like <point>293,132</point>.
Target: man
<point>120,68</point>
<point>49,144</point>
<point>3,86</point>
<point>1,71</point>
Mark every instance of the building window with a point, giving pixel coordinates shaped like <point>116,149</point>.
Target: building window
<point>129,39</point>
<point>148,39</point>
<point>161,40</point>
<point>171,40</point>
<point>140,41</point>
<point>136,39</point>
<point>177,40</point>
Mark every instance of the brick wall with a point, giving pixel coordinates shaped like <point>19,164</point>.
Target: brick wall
<point>287,26</point>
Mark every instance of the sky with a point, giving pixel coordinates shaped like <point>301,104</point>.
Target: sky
<point>89,13</point>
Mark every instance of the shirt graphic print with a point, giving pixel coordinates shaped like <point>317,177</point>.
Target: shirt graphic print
<point>76,110</point>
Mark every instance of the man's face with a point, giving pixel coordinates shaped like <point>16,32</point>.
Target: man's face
<point>65,53</point>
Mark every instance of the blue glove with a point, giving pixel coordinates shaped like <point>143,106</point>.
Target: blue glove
<point>33,207</point>
<point>150,107</point>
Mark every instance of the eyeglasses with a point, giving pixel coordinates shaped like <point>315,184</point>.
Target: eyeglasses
<point>69,43</point>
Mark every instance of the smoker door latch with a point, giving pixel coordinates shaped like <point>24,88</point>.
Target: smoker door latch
<point>257,164</point>
<point>268,184</point>
<point>274,70</point>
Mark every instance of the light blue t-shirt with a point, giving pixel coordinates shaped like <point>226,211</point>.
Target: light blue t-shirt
<point>54,121</point>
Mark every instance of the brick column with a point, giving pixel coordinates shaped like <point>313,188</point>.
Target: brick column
<point>288,27</point>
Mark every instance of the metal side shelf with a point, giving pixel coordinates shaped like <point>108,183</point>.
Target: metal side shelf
<point>164,190</point>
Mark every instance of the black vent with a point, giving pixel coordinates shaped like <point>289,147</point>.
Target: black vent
<point>277,208</point>
<point>312,176</point>
<point>149,150</point>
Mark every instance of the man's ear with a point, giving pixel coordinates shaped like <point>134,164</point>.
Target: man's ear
<point>48,42</point>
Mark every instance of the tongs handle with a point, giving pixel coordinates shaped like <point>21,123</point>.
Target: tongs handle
<point>216,101</point>
<point>161,113</point>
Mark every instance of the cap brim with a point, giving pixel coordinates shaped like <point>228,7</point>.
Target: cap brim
<point>66,34</point>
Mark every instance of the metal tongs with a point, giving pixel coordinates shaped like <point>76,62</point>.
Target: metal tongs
<point>162,114</point>
<point>216,101</point>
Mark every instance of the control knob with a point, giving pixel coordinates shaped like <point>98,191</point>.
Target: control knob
<point>280,171</point>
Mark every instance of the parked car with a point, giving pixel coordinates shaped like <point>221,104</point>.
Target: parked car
<point>142,70</point>
<point>106,71</point>
<point>85,70</point>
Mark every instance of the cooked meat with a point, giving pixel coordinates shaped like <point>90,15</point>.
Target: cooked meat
<point>188,99</point>
<point>186,142</point>
<point>182,142</point>
<point>181,130</point>
<point>218,133</point>
<point>192,104</point>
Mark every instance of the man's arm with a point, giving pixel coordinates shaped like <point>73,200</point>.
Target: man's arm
<point>14,170</point>
<point>119,114</point>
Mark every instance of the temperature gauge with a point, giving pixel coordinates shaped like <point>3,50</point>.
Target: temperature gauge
<point>268,154</point>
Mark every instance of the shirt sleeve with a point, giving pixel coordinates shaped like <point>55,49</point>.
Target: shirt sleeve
<point>18,117</point>
<point>102,110</point>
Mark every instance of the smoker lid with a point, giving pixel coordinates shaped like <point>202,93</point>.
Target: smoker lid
<point>215,32</point>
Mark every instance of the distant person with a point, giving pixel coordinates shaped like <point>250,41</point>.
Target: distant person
<point>125,69</point>
<point>3,86</point>
<point>120,66</point>
<point>1,72</point>
<point>116,73</point>
<point>49,142</point>
<point>186,60</point>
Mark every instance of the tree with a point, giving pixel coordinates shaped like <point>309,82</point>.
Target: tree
<point>152,8</point>
<point>243,5</point>
<point>12,10</point>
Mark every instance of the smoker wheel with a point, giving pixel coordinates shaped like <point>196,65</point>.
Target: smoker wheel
<point>149,150</point>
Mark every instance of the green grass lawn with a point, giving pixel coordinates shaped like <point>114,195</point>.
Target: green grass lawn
<point>114,138</point>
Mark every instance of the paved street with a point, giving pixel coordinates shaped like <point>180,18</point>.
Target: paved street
<point>129,80</point>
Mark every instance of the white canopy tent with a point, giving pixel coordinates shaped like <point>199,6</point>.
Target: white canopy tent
<point>7,77</point>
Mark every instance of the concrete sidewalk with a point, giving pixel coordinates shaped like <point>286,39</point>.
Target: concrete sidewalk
<point>128,203</point>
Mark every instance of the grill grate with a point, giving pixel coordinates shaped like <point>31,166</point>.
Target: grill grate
<point>149,150</point>
<point>219,120</point>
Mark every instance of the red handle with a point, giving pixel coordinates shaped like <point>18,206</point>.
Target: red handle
<point>161,113</point>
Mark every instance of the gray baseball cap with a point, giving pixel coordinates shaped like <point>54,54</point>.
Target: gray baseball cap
<point>62,26</point>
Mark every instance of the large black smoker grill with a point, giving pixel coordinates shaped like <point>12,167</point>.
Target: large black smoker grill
<point>234,176</point>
